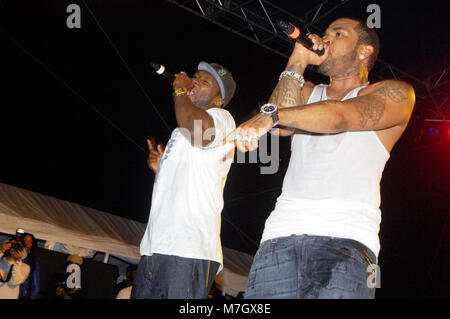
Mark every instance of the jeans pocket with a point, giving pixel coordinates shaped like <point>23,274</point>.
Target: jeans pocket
<point>353,255</point>
<point>353,249</point>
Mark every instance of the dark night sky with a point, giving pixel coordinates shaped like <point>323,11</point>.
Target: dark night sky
<point>75,119</point>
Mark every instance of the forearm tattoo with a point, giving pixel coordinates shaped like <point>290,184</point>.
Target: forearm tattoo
<point>287,93</point>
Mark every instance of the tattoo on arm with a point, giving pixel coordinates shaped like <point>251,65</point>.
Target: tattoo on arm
<point>371,107</point>
<point>397,91</point>
<point>287,93</point>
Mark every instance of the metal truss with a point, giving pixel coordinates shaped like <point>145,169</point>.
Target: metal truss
<point>438,86</point>
<point>432,92</point>
<point>255,20</point>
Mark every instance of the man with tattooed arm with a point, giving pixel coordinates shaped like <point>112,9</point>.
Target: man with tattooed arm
<point>321,240</point>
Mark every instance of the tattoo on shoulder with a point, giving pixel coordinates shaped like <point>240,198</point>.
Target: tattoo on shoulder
<point>396,91</point>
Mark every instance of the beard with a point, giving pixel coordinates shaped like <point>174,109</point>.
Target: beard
<point>332,62</point>
<point>201,102</point>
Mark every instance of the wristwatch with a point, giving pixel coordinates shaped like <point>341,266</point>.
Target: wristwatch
<point>271,110</point>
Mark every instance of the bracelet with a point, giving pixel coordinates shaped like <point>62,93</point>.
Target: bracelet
<point>180,91</point>
<point>294,75</point>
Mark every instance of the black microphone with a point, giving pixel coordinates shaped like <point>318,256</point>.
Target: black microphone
<point>161,70</point>
<point>294,33</point>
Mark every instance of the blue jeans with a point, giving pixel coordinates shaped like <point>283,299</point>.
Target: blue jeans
<point>172,277</point>
<point>310,267</point>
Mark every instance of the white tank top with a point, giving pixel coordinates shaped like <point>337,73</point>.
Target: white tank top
<point>332,185</point>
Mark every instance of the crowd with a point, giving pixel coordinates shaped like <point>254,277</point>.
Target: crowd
<point>20,273</point>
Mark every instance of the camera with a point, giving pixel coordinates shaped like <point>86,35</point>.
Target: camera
<point>16,246</point>
<point>19,237</point>
<point>17,243</point>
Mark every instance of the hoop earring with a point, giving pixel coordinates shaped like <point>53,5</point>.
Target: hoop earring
<point>363,72</point>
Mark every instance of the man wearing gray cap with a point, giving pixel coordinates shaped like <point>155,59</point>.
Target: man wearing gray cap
<point>181,250</point>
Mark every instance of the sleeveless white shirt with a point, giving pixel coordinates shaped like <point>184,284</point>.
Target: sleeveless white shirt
<point>332,185</point>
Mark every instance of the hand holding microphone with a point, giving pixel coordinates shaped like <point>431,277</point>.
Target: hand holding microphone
<point>182,80</point>
<point>312,48</point>
<point>300,54</point>
<point>177,80</point>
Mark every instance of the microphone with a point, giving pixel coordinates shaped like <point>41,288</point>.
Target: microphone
<point>294,33</point>
<point>161,70</point>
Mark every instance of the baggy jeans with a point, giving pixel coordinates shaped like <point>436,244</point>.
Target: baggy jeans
<point>172,277</point>
<point>311,267</point>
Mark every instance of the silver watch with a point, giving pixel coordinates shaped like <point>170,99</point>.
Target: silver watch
<point>271,110</point>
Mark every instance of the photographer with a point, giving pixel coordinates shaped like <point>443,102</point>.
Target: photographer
<point>13,271</point>
<point>30,288</point>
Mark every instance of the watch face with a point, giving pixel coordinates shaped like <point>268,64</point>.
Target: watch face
<point>269,108</point>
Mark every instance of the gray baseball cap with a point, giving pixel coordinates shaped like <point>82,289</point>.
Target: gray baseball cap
<point>226,83</point>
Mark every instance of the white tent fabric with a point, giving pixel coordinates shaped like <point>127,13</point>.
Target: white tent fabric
<point>60,221</point>
<point>81,230</point>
